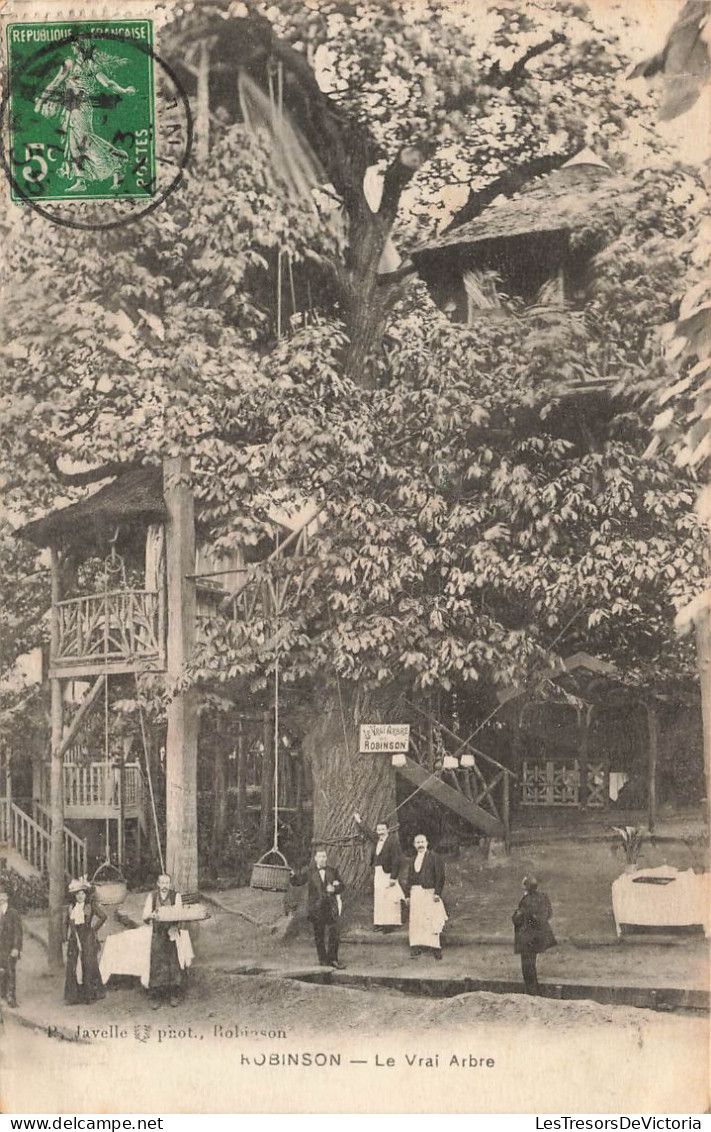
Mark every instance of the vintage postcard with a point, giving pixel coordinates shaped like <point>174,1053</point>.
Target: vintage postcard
<point>355,645</point>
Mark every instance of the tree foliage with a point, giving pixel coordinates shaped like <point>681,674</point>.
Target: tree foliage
<point>477,511</point>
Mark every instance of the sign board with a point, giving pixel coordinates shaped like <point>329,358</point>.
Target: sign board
<point>384,738</point>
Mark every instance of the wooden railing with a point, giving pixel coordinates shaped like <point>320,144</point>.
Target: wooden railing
<point>30,837</point>
<point>273,593</point>
<point>265,589</point>
<point>99,785</point>
<point>485,781</point>
<point>120,626</point>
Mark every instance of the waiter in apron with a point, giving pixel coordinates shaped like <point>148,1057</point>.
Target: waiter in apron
<point>423,886</point>
<point>385,859</point>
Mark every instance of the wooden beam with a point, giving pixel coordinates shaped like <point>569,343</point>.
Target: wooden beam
<point>56,843</point>
<point>85,709</point>
<point>452,799</point>
<point>702,625</point>
<point>653,753</point>
<point>82,669</point>
<point>182,730</point>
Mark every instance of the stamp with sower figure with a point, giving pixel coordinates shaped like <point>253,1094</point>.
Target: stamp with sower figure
<point>82,114</point>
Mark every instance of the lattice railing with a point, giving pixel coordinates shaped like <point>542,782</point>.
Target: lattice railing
<point>124,625</point>
<point>265,595</point>
<point>557,782</point>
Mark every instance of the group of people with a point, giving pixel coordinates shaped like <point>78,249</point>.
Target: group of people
<point>417,883</point>
<point>168,959</point>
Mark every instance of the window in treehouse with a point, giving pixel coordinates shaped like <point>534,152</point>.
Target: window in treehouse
<point>218,570</point>
<point>487,297</point>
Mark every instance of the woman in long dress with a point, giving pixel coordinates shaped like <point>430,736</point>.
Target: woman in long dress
<point>72,94</point>
<point>82,982</point>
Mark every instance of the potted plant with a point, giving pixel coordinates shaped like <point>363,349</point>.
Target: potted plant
<point>631,838</point>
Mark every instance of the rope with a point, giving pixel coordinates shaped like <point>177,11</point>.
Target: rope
<point>107,763</point>
<point>416,791</point>
<point>149,775</point>
<point>275,844</point>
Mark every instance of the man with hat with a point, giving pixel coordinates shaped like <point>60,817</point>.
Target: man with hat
<point>171,953</point>
<point>10,947</point>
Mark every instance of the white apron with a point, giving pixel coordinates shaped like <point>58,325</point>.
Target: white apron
<point>387,909</point>
<point>427,917</point>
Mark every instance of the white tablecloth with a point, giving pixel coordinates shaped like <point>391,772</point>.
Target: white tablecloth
<point>683,901</point>
<point>127,953</point>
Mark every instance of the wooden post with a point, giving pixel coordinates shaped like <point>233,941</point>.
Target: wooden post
<point>584,720</point>
<point>267,790</point>
<point>202,105</point>
<point>56,796</point>
<point>653,751</point>
<point>241,781</point>
<point>506,812</point>
<point>219,813</point>
<point>703,659</point>
<point>182,730</point>
<point>430,735</point>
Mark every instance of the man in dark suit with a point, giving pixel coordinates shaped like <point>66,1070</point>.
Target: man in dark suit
<point>423,886</point>
<point>324,898</point>
<point>10,948</point>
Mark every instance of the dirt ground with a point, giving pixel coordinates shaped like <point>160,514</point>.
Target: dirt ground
<point>226,1047</point>
<point>255,1043</point>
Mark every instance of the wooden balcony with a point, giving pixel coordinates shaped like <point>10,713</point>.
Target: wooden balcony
<point>117,631</point>
<point>99,790</point>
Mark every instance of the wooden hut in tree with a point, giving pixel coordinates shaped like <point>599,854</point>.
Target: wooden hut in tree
<point>532,248</point>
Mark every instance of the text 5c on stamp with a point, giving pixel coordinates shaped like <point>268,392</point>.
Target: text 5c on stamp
<point>82,113</point>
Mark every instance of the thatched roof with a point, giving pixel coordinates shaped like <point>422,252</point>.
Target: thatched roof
<point>136,495</point>
<point>559,203</point>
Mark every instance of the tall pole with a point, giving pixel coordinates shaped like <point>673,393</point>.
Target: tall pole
<point>181,739</point>
<point>703,660</point>
<point>653,752</point>
<point>56,781</point>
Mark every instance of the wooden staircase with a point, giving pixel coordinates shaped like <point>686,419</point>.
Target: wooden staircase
<point>477,788</point>
<point>29,838</point>
<point>452,798</point>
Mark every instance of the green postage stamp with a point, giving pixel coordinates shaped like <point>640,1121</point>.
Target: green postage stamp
<point>81,110</point>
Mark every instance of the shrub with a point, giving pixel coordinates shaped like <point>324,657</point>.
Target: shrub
<point>26,893</point>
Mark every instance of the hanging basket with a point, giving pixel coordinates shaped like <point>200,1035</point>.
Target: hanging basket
<point>109,891</point>
<point>273,878</point>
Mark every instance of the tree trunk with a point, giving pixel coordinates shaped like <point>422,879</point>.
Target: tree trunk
<point>362,304</point>
<point>345,782</point>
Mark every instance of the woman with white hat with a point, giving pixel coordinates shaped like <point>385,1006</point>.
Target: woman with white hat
<point>84,918</point>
